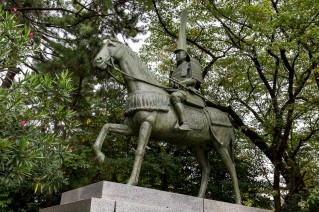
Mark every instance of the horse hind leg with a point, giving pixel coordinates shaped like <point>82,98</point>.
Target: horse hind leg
<point>229,163</point>
<point>201,156</point>
<point>113,128</point>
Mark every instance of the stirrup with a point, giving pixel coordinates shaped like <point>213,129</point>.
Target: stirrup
<point>185,127</point>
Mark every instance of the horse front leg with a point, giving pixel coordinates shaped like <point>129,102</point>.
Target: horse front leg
<point>113,128</point>
<point>144,136</point>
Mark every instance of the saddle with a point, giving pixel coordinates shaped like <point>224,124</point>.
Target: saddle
<point>191,98</point>
<point>194,100</point>
<point>198,118</point>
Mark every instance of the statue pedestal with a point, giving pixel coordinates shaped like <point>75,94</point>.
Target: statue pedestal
<point>114,197</point>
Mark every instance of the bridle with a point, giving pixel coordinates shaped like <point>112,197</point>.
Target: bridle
<point>112,64</point>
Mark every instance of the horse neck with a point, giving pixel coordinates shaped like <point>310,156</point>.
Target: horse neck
<point>132,66</point>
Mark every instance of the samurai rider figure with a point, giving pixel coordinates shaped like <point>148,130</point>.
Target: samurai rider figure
<point>188,75</point>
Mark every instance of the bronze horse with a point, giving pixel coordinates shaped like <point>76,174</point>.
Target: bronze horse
<point>149,115</point>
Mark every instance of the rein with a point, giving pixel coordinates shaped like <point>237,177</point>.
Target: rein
<point>184,87</point>
<point>135,78</point>
<point>112,75</point>
<point>125,74</point>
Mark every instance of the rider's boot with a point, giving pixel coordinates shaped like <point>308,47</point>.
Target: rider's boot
<point>183,125</point>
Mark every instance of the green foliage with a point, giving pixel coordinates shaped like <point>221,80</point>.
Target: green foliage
<point>34,126</point>
<point>53,149</point>
<point>241,45</point>
<point>15,42</point>
<point>313,200</point>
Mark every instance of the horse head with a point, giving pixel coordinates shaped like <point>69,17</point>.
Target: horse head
<point>132,68</point>
<point>111,50</point>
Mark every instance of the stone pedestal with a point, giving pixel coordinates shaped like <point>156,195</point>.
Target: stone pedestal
<point>114,197</point>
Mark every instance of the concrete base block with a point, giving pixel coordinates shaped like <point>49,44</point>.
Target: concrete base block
<point>217,206</point>
<point>114,197</point>
<point>134,194</point>
<point>87,205</point>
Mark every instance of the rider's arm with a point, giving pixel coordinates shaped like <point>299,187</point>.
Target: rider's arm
<point>188,82</point>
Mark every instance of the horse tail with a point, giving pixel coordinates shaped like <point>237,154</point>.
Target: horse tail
<point>232,146</point>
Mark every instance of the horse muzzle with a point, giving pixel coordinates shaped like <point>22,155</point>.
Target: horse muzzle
<point>101,63</point>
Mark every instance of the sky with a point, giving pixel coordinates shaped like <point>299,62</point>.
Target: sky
<point>133,45</point>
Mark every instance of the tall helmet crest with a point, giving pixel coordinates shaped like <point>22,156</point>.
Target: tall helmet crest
<point>181,42</point>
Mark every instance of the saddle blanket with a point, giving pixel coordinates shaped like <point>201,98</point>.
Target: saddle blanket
<point>199,118</point>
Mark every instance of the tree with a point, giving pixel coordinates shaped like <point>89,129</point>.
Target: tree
<point>16,45</point>
<point>267,95</point>
<point>31,149</point>
<point>69,31</point>
<point>260,61</point>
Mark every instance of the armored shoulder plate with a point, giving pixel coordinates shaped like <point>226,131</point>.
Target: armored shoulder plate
<point>181,72</point>
<point>196,70</point>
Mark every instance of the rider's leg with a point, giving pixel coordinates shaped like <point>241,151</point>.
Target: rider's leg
<point>179,109</point>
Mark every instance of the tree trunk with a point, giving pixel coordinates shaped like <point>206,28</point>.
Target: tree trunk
<point>317,77</point>
<point>277,196</point>
<point>296,187</point>
<point>8,80</point>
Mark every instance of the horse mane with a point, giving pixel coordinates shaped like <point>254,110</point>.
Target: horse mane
<point>149,76</point>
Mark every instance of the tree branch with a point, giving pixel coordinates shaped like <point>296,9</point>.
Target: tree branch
<point>291,73</point>
<point>317,76</point>
<point>274,5</point>
<point>287,130</point>
<point>174,35</point>
<point>277,62</point>
<point>262,76</point>
<point>227,18</point>
<point>251,110</point>
<point>31,67</point>
<point>305,75</point>
<point>8,80</point>
<point>43,8</point>
<point>302,140</point>
<point>78,93</point>
<point>208,67</point>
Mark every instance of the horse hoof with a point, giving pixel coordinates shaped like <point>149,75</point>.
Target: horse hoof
<point>201,195</point>
<point>132,182</point>
<point>100,157</point>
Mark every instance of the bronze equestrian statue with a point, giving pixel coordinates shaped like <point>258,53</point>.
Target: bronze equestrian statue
<point>149,113</point>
